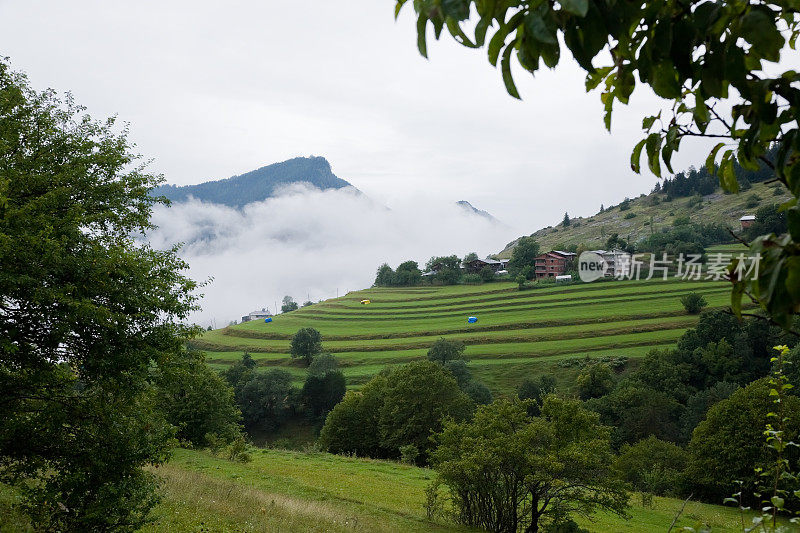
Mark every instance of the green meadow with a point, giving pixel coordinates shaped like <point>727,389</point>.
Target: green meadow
<point>298,491</point>
<point>518,333</point>
<point>286,491</point>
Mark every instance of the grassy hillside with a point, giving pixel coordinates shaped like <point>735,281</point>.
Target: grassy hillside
<point>651,213</point>
<point>296,491</point>
<point>518,334</point>
<point>286,491</point>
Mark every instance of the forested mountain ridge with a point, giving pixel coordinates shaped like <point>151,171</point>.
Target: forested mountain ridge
<point>259,184</point>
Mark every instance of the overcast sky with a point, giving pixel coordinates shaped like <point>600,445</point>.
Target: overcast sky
<point>213,89</point>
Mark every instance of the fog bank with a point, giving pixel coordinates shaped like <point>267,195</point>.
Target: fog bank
<point>311,244</point>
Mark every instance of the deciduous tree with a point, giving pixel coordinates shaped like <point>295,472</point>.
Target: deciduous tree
<point>509,472</point>
<point>522,257</point>
<point>306,344</point>
<point>86,314</point>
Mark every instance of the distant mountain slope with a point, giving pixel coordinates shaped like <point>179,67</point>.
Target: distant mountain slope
<point>471,209</point>
<point>652,212</point>
<point>259,184</point>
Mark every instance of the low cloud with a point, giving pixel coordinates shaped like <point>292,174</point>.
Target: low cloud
<point>309,244</point>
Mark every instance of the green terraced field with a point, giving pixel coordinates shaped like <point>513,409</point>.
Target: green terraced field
<point>518,333</point>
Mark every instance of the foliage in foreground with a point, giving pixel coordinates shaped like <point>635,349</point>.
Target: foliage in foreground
<point>86,314</point>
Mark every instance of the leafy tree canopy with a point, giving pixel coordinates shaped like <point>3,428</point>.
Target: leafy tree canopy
<point>198,402</point>
<point>447,268</point>
<point>418,397</point>
<point>350,426</point>
<point>322,364</point>
<point>264,399</point>
<point>321,392</point>
<point>652,465</point>
<point>288,304</point>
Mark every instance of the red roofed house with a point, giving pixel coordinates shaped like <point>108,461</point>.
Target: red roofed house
<point>552,264</point>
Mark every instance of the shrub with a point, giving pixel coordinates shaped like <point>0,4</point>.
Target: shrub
<point>595,382</point>
<point>695,200</point>
<point>478,393</point>
<point>409,454</point>
<point>693,302</point>
<point>444,350</point>
<point>487,273</point>
<point>472,279</point>
<point>629,216</point>
<point>237,451</point>
<point>752,201</point>
<point>651,465</point>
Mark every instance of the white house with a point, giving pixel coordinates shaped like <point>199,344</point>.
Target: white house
<point>617,262</point>
<point>256,315</point>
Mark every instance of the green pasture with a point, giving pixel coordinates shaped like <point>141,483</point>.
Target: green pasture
<point>518,333</point>
<point>297,491</point>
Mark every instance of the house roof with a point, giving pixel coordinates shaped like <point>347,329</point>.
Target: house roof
<point>748,217</point>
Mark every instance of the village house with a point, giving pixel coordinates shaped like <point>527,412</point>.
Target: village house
<point>747,221</point>
<point>552,264</point>
<point>617,262</point>
<point>256,315</point>
<point>476,265</point>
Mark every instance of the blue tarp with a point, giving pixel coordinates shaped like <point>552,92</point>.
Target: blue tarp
<point>267,319</point>
<point>472,319</point>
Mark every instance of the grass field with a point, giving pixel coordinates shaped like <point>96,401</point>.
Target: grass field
<point>518,333</point>
<point>287,491</point>
<point>296,491</point>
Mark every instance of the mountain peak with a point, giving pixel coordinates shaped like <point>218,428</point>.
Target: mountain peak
<point>259,184</point>
<point>471,209</point>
